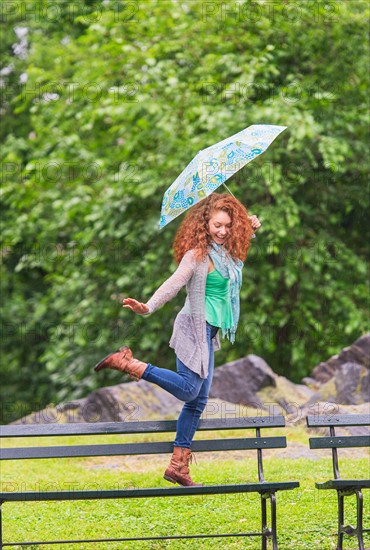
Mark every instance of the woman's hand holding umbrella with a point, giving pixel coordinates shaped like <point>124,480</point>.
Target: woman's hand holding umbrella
<point>135,306</point>
<point>255,223</point>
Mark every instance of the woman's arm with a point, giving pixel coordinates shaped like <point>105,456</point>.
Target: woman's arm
<point>168,289</point>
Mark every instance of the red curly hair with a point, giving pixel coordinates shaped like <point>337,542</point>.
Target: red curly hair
<point>193,232</point>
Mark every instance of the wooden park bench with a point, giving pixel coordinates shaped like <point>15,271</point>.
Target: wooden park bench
<point>266,489</point>
<point>344,487</point>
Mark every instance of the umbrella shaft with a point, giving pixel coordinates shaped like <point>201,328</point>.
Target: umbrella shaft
<point>229,190</point>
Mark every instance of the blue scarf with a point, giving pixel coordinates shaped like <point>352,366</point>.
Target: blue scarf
<point>230,269</point>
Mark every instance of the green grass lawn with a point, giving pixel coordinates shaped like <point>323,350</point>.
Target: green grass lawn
<point>306,517</point>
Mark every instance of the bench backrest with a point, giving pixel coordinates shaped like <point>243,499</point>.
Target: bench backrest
<point>109,428</point>
<point>334,442</point>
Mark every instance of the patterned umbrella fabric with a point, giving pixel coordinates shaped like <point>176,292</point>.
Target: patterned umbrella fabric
<point>211,167</point>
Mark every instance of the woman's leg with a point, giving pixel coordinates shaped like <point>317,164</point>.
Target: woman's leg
<point>183,384</point>
<point>187,423</point>
<point>188,420</point>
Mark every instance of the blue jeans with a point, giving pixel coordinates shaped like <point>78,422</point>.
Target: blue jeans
<point>187,386</point>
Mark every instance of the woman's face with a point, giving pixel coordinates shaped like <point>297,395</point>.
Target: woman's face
<point>219,226</point>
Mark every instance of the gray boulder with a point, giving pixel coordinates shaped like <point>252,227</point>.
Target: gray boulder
<point>121,403</point>
<point>128,402</point>
<point>250,381</point>
<point>240,380</point>
<point>358,352</point>
<point>350,385</point>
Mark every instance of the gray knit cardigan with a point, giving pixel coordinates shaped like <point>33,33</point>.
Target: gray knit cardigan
<point>189,339</point>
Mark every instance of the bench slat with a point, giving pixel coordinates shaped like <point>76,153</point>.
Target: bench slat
<point>344,484</point>
<point>85,428</point>
<point>151,492</point>
<point>340,441</point>
<point>338,420</point>
<point>140,448</point>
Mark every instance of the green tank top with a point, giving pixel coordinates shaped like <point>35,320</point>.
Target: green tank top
<point>218,304</point>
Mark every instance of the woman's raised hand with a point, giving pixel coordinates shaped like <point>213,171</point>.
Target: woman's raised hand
<point>256,224</point>
<point>135,306</point>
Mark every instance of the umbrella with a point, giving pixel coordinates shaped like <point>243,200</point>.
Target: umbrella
<point>211,167</point>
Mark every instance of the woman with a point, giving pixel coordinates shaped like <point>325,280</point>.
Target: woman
<point>210,247</point>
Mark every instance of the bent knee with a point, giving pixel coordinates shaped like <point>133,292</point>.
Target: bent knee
<point>190,393</point>
<point>196,405</point>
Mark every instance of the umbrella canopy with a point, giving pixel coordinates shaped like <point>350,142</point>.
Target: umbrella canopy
<point>211,167</point>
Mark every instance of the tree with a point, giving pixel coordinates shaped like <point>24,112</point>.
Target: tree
<point>119,97</point>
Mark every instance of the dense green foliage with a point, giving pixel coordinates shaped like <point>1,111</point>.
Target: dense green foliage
<point>118,98</point>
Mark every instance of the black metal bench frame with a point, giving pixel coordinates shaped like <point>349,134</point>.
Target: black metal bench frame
<point>266,490</point>
<point>344,487</point>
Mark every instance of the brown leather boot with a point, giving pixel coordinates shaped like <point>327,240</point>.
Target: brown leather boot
<point>123,361</point>
<point>178,470</point>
